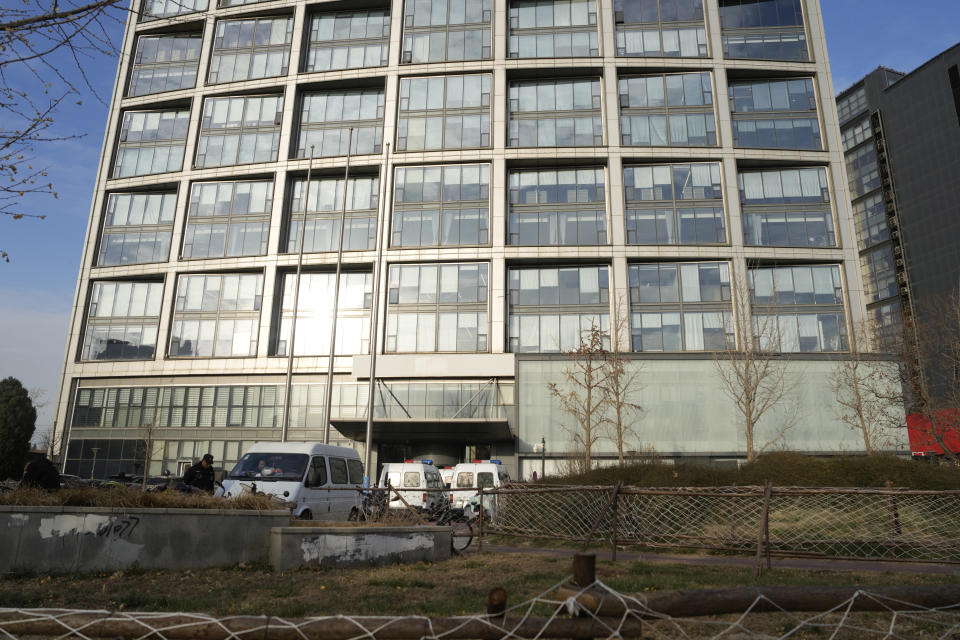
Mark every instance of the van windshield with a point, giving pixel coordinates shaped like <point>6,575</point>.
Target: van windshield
<point>270,467</point>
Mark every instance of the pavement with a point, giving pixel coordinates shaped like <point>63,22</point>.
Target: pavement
<point>749,562</point>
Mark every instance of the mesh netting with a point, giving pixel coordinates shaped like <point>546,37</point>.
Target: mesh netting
<point>838,523</point>
<point>852,614</point>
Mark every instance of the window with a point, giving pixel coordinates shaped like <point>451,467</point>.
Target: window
<point>674,204</point>
<point>216,315</point>
<point>863,172</point>
<point>327,117</point>
<point>444,112</point>
<point>323,215</point>
<point>411,479</point>
<point>122,321</point>
<point>317,477</point>
<point>798,309</point>
<point>889,322</point>
<point>151,142</point>
<point>763,29</point>
<point>165,63</point>
<point>851,104</point>
<point>239,130</point>
<point>550,207</point>
<point>314,307</point>
<point>775,114</point>
<point>338,471</point>
<point>441,206</point>
<point>680,307</point>
<point>228,219</point>
<point>437,308</point>
<point>156,9</point>
<point>446,30</point>
<point>667,110</point>
<point>355,468</point>
<point>870,216</point>
<point>786,208</point>
<point>553,29</point>
<point>879,275</point>
<point>349,40</point>
<point>137,228</point>
<point>250,49</point>
<point>667,28</point>
<point>552,307</point>
<point>856,133</point>
<point>555,113</point>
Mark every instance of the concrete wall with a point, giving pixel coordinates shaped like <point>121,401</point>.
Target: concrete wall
<point>67,539</point>
<point>292,547</point>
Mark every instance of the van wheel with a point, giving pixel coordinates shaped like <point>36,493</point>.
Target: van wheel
<point>306,514</point>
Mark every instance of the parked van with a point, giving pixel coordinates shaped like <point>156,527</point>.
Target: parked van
<point>311,476</point>
<point>468,477</point>
<point>412,477</point>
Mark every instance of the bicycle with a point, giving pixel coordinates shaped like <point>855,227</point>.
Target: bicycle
<point>461,526</point>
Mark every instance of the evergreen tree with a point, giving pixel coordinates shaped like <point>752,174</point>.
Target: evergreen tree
<point>17,421</point>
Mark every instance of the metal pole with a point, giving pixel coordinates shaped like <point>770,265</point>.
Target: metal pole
<point>327,407</point>
<point>375,308</point>
<point>543,457</point>
<point>296,305</point>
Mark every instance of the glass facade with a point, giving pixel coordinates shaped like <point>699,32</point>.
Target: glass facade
<point>879,276</point>
<point>137,228</point>
<point>122,321</point>
<point>228,219</point>
<point>863,172</point>
<point>856,133</point>
<point>763,29</point>
<point>157,9</point>
<point>441,206</point>
<point>250,49</point>
<point>327,117</point>
<point>555,113</point>
<point>446,30</point>
<point>798,309</point>
<point>151,142</point>
<point>660,28</point>
<point>786,208</point>
<point>674,204</point>
<point>239,130</point>
<point>680,307</point>
<point>314,308</point>
<point>557,207</point>
<point>775,114</point>
<point>165,63</point>
<point>852,104</point>
<point>216,315</point>
<point>552,29</point>
<point>870,216</point>
<point>444,112</point>
<point>325,203</point>
<point>551,307</point>
<point>667,110</point>
<point>348,40</point>
<point>437,308</point>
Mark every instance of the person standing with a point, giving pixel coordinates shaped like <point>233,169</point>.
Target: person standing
<point>200,475</point>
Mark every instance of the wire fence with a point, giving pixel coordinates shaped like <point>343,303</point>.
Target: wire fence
<point>887,524</point>
<point>564,611</point>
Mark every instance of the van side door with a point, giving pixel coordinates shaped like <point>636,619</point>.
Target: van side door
<point>315,487</point>
<point>339,501</point>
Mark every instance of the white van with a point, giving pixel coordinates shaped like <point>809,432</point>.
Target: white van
<point>468,477</point>
<point>412,477</point>
<point>312,476</point>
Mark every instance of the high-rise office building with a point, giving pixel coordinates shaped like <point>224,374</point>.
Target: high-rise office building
<point>519,171</point>
<point>901,138</point>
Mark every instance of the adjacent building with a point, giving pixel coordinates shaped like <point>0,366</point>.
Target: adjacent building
<point>519,171</point>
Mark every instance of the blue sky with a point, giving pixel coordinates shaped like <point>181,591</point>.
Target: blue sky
<point>37,287</point>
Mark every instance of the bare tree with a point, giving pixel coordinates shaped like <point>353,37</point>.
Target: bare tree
<point>621,381</point>
<point>44,47</point>
<point>581,395</point>
<point>753,374</point>
<point>867,389</point>
<point>149,427</point>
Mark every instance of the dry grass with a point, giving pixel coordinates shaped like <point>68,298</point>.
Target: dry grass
<point>129,498</point>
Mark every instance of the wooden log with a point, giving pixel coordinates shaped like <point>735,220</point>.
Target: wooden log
<point>584,569</point>
<point>710,602</point>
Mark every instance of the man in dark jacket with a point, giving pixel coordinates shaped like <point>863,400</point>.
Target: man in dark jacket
<point>41,474</point>
<point>200,475</point>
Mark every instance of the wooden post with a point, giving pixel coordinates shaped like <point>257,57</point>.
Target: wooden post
<point>763,536</point>
<point>596,523</point>
<point>893,518</point>
<point>613,534</point>
<point>497,602</point>
<point>584,569</point>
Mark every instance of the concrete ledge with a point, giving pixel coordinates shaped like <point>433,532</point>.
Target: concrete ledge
<point>79,539</point>
<point>292,547</point>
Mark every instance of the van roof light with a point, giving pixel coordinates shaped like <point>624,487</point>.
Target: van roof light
<point>429,462</point>
<point>408,461</point>
<point>495,461</point>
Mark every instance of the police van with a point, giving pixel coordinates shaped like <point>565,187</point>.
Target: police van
<point>411,478</point>
<point>315,478</point>
<point>468,477</point>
